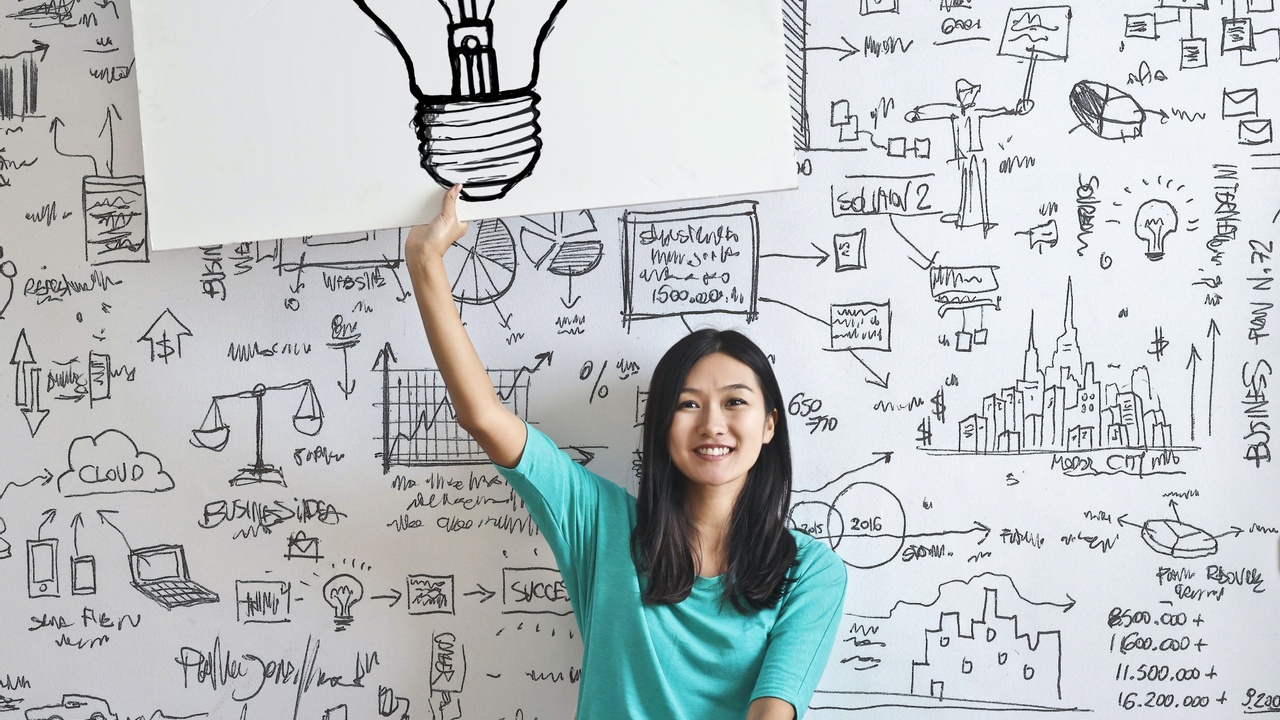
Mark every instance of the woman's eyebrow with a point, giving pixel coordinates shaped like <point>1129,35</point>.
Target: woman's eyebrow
<point>726,388</point>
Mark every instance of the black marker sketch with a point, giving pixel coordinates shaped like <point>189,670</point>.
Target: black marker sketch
<point>110,462</point>
<point>263,601</point>
<point>853,327</point>
<point>160,573</point>
<point>419,426</point>
<point>344,337</point>
<point>691,261</point>
<point>1178,539</point>
<point>213,433</point>
<point>165,336</point>
<point>8,271</point>
<point>822,255</point>
<point>534,591</point>
<point>448,666</point>
<point>78,381</point>
<point>340,593</point>
<point>977,654</point>
<point>872,7</point>
<point>1105,111</point>
<point>389,705</point>
<point>302,547</point>
<point>1036,34</point>
<point>975,664</point>
<point>115,207</point>
<point>1254,46</point>
<point>549,244</point>
<point>1154,222</point>
<point>20,82</point>
<point>482,266</point>
<point>850,251</point>
<point>430,594</point>
<point>83,574</point>
<point>347,261</point>
<point>1193,50</point>
<point>1041,236</point>
<point>965,289</point>
<point>42,566</point>
<point>1062,407</point>
<point>6,550</point>
<point>483,133</point>
<point>1239,103</point>
<point>966,135</point>
<point>27,381</point>
<point>337,712</point>
<point>73,707</point>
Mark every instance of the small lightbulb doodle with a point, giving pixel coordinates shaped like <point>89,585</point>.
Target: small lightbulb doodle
<point>483,133</point>
<point>341,592</point>
<point>1154,222</point>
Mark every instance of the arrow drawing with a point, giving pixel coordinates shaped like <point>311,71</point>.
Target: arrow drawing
<point>881,457</point>
<point>486,595</point>
<point>102,516</point>
<point>1191,364</point>
<point>49,515</point>
<point>821,257</point>
<point>394,597</point>
<point>165,334</point>
<point>344,338</point>
<point>27,383</point>
<point>1213,366</point>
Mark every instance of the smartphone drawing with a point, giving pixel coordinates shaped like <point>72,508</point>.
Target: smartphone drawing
<point>42,568</point>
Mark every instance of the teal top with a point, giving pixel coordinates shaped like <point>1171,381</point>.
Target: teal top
<point>699,659</point>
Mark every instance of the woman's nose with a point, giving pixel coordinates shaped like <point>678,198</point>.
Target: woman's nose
<point>711,422</point>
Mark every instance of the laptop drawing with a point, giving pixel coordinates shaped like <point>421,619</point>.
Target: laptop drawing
<point>160,573</point>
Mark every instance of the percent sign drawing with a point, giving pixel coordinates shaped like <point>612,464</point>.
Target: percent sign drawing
<point>598,388</point>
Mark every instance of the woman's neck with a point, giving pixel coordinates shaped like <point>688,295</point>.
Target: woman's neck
<point>710,513</point>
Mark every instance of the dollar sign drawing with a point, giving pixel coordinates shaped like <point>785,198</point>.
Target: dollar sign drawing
<point>1159,344</point>
<point>166,348</point>
<point>939,407</point>
<point>926,433</point>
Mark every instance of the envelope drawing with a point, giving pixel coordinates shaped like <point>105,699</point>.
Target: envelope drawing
<point>1255,132</point>
<point>1238,103</point>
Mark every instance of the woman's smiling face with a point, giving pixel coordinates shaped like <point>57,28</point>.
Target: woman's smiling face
<point>720,423</point>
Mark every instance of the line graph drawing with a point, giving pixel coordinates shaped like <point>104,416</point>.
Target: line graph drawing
<point>419,425</point>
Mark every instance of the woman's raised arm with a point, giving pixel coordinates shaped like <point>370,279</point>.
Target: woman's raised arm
<point>500,432</point>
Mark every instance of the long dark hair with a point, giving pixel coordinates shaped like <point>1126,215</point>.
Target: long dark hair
<point>761,550</point>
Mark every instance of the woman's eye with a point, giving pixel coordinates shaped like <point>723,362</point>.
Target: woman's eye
<point>686,404</point>
<point>736,401</point>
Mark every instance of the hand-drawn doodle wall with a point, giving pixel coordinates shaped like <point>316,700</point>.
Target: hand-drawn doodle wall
<point>1021,304</point>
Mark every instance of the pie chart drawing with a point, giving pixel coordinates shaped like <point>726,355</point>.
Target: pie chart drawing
<point>482,264</point>
<point>1178,539</point>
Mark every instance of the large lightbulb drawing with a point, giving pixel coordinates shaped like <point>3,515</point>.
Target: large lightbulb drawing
<point>341,592</point>
<point>483,131</point>
<point>1155,221</point>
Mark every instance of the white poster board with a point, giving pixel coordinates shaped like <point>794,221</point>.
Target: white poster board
<point>302,117</point>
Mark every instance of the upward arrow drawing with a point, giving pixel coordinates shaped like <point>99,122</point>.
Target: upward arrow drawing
<point>166,332</point>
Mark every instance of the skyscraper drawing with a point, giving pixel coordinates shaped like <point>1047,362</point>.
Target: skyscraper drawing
<point>1062,407</point>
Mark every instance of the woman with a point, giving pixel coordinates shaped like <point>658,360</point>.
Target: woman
<point>693,599</point>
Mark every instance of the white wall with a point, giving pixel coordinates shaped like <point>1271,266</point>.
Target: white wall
<point>1097,551</point>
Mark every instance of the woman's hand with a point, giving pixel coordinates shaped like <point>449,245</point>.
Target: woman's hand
<point>438,235</point>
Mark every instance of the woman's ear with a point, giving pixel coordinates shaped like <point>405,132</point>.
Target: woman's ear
<point>770,422</point>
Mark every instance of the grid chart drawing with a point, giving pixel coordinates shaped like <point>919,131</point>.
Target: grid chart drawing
<point>420,427</point>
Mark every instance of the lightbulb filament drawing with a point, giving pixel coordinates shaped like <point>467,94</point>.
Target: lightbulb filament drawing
<point>480,134</point>
<point>341,592</point>
<point>1154,222</point>
<point>214,433</point>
